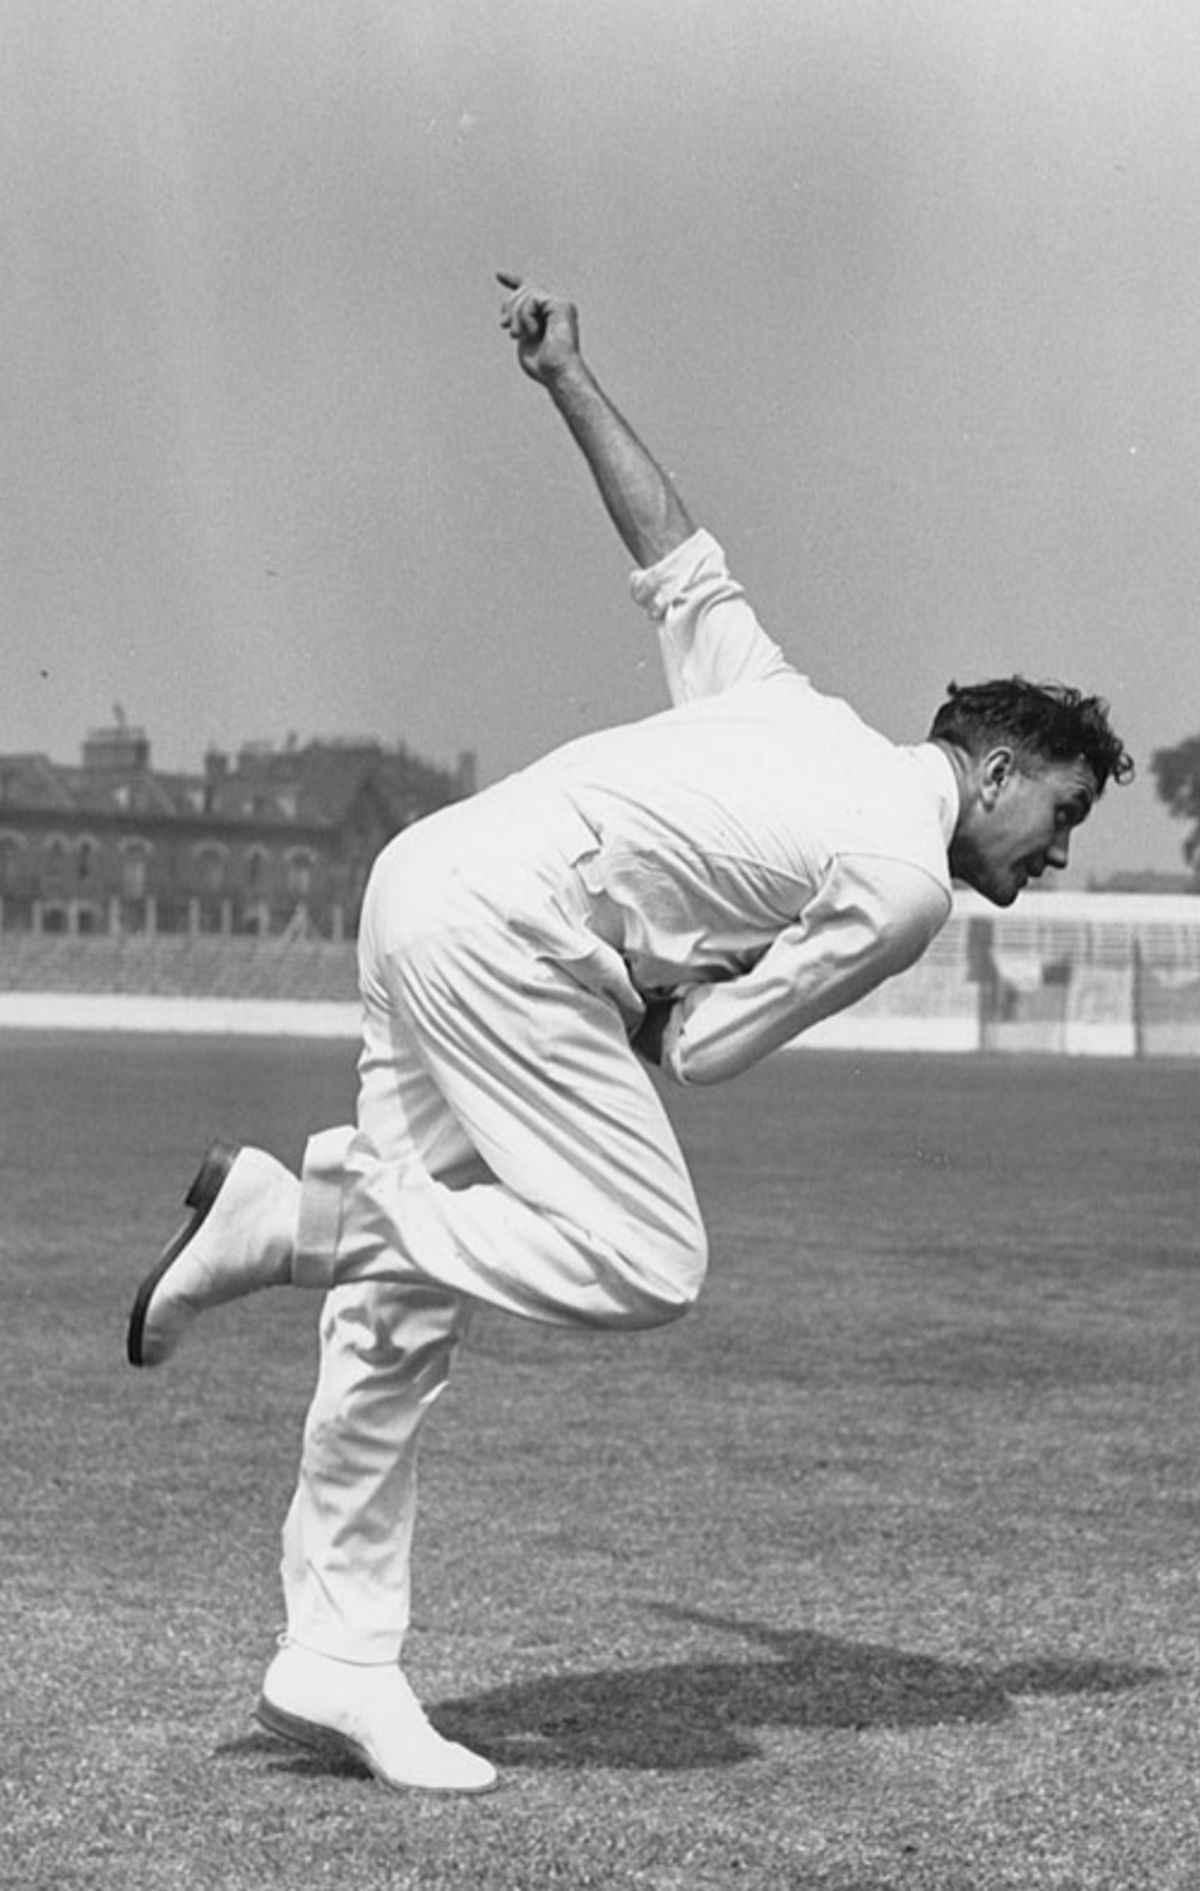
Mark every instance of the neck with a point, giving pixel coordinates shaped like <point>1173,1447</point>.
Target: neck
<point>958,759</point>
<point>960,768</point>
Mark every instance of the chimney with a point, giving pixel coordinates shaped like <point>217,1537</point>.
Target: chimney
<point>117,751</point>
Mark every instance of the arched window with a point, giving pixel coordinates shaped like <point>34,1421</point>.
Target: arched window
<point>299,873</point>
<point>11,847</point>
<point>210,869</point>
<point>256,869</point>
<point>135,861</point>
<point>85,859</point>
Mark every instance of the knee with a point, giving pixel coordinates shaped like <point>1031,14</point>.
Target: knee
<point>666,1278</point>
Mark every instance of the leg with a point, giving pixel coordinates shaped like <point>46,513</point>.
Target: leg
<point>586,1215</point>
<point>482,1049</point>
<point>387,1348</point>
<point>573,1132</point>
<point>347,1542</point>
<point>386,1353</point>
<point>486,1029</point>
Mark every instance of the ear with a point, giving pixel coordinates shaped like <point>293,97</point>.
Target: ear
<point>996,769</point>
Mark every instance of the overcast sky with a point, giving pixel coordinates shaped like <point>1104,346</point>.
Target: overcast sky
<point>907,296</point>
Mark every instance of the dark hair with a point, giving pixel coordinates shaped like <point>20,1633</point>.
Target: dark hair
<point>1044,722</point>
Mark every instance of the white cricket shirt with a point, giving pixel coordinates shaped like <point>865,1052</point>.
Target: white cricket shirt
<point>759,854</point>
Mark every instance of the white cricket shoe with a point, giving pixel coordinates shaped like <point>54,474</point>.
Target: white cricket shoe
<point>239,1237</point>
<point>366,1713</point>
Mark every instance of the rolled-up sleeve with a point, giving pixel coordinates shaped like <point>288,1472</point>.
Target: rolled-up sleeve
<point>708,634</point>
<point>871,918</point>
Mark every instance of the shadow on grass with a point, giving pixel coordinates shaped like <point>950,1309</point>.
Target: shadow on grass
<point>701,1713</point>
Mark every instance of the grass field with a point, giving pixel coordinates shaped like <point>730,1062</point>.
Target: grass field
<point>879,1571</point>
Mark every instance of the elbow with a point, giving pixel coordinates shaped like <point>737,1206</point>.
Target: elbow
<point>697,1066</point>
<point>907,937</point>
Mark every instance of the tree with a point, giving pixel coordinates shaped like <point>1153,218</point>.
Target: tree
<point>1177,777</point>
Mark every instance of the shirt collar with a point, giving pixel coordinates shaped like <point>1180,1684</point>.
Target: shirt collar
<point>938,772</point>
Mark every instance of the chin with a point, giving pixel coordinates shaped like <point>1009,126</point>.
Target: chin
<point>1002,895</point>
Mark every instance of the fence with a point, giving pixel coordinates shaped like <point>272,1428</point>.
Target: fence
<point>1086,974</point>
<point>272,986</point>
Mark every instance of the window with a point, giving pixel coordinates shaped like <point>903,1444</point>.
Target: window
<point>135,860</point>
<point>299,874</point>
<point>210,869</point>
<point>10,856</point>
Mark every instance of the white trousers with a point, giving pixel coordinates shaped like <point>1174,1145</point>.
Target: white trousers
<point>510,1148</point>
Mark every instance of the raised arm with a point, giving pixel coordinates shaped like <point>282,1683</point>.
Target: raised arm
<point>641,500</point>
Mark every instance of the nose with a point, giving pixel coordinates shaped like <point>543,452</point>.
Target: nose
<point>1059,852</point>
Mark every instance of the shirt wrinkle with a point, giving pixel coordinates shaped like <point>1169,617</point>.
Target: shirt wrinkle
<point>867,882</point>
<point>756,852</point>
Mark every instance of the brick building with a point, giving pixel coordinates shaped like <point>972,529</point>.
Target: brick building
<point>268,841</point>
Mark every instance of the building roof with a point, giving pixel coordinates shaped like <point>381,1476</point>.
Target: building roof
<point>317,785</point>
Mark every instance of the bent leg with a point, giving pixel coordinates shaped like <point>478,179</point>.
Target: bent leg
<point>587,1215</point>
<point>510,1148</point>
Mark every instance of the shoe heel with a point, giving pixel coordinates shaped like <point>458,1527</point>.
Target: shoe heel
<point>210,1176</point>
<point>200,1197</point>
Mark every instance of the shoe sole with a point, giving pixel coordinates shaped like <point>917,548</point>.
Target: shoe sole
<point>209,1181</point>
<point>326,1740</point>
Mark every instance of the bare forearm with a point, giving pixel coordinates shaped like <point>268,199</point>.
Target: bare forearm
<point>640,498</point>
<point>641,501</point>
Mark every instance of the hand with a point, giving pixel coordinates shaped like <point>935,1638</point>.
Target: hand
<point>647,1040</point>
<point>545,328</point>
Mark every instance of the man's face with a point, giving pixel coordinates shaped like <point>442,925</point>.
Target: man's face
<point>1018,821</point>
